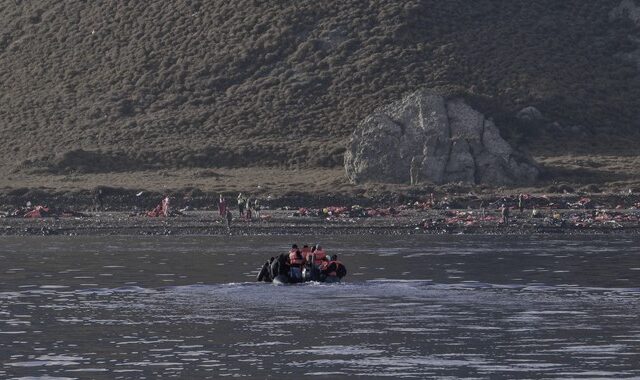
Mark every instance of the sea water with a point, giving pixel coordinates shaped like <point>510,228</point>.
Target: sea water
<point>410,307</point>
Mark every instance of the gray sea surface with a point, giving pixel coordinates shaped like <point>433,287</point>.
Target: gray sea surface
<point>414,307</point>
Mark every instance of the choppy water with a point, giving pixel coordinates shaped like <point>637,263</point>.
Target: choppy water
<point>412,307</point>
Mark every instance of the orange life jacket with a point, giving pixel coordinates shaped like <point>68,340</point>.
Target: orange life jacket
<point>321,257</point>
<point>295,258</point>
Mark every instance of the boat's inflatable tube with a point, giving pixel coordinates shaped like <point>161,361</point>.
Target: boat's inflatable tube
<point>313,274</point>
<point>331,279</point>
<point>281,280</point>
<point>285,280</point>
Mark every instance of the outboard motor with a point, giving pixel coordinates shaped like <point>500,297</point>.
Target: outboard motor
<point>265,273</point>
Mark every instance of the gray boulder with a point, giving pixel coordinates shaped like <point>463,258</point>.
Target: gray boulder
<point>530,114</point>
<point>628,9</point>
<point>447,140</point>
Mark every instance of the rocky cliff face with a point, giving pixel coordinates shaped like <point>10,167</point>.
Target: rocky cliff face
<point>446,139</point>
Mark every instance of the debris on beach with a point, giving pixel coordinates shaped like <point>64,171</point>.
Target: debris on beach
<point>354,211</point>
<point>163,210</point>
<point>159,212</point>
<point>40,211</point>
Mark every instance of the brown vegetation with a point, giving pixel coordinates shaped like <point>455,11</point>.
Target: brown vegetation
<point>90,86</point>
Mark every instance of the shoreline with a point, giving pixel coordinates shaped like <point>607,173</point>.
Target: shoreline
<point>281,222</point>
<point>410,212</point>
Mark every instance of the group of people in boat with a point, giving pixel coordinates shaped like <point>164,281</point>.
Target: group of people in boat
<point>300,265</point>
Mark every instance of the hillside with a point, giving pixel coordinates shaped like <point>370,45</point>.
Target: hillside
<point>95,87</point>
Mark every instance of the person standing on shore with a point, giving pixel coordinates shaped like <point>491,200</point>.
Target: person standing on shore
<point>98,201</point>
<point>241,204</point>
<point>535,213</point>
<point>414,169</point>
<point>505,214</point>
<point>165,206</point>
<point>222,206</point>
<point>229,218</point>
<point>256,208</point>
<point>521,202</point>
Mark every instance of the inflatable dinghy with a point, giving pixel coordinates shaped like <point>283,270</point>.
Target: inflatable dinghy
<point>309,273</point>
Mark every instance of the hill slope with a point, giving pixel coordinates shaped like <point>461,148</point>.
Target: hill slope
<point>191,83</point>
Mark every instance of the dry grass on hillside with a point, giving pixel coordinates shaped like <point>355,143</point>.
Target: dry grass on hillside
<point>145,85</point>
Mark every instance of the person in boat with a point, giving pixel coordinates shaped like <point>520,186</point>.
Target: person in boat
<point>296,263</point>
<point>314,260</point>
<point>320,255</point>
<point>306,252</point>
<point>334,268</point>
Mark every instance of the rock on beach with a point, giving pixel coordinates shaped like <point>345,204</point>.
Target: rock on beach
<point>449,140</point>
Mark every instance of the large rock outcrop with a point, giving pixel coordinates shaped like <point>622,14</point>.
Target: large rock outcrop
<point>446,139</point>
<point>629,9</point>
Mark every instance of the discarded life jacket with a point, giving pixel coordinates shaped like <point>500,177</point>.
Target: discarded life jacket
<point>295,258</point>
<point>156,212</point>
<point>38,212</point>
